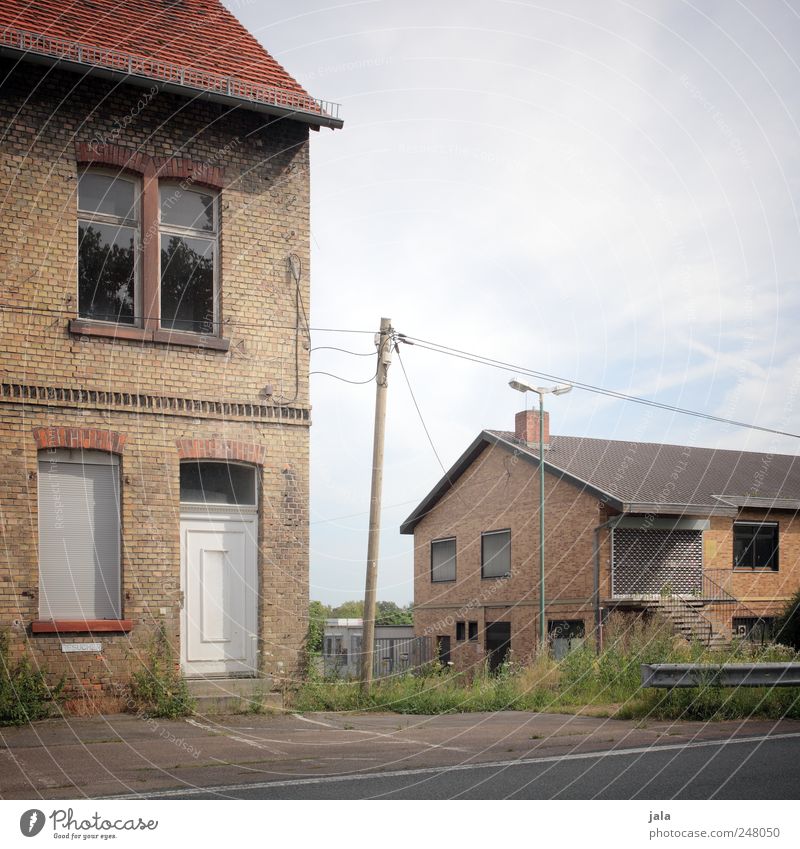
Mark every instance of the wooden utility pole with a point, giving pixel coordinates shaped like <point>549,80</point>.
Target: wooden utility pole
<point>384,342</point>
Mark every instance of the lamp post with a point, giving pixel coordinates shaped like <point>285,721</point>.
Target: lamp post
<point>541,391</point>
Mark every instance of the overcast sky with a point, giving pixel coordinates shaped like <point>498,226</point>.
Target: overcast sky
<point>600,190</point>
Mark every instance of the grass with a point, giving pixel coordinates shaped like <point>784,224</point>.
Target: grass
<point>605,684</point>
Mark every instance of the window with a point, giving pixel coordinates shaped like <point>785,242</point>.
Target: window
<point>443,560</point>
<point>756,629</point>
<point>473,632</point>
<point>496,554</point>
<point>755,545</point>
<point>189,248</point>
<point>108,247</point>
<point>211,482</point>
<point>460,631</point>
<point>148,260</point>
<point>565,635</point>
<point>79,535</point>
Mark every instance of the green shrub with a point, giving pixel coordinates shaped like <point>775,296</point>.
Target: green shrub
<point>24,693</point>
<point>157,688</point>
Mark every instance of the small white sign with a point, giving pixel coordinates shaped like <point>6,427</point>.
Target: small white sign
<point>92,647</point>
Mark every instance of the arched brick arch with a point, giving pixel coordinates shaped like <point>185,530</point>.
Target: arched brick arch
<point>172,167</point>
<point>221,449</point>
<point>90,438</point>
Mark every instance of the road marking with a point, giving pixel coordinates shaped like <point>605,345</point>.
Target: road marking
<point>390,737</point>
<point>434,770</point>
<point>224,732</point>
<point>314,721</point>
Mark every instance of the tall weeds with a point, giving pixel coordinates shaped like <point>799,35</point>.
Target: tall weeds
<point>610,679</point>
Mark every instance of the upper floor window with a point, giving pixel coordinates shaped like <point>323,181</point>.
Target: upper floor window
<point>755,545</point>
<point>189,254</point>
<point>148,257</point>
<point>443,559</point>
<point>108,247</point>
<point>496,554</point>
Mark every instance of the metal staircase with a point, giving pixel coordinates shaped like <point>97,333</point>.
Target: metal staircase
<point>687,620</point>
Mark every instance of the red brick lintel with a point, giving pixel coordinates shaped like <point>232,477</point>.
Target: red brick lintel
<point>221,449</point>
<point>88,438</point>
<point>84,626</point>
<point>170,167</point>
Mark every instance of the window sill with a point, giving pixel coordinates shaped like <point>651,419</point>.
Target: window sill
<point>88,626</point>
<point>83,327</point>
<point>749,570</point>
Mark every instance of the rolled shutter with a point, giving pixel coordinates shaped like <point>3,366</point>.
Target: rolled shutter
<point>496,554</point>
<point>443,560</point>
<point>79,536</point>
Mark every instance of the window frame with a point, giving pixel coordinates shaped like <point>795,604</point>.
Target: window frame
<point>147,326</point>
<point>113,220</point>
<point>461,631</point>
<point>472,631</point>
<point>485,534</point>
<point>452,580</point>
<point>756,525</point>
<point>213,236</point>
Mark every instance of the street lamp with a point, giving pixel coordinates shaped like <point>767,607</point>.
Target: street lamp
<point>541,391</point>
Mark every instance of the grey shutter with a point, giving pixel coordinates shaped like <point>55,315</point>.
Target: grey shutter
<point>79,536</point>
<point>443,560</point>
<point>496,554</point>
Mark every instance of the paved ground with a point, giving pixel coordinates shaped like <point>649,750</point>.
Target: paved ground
<point>117,755</point>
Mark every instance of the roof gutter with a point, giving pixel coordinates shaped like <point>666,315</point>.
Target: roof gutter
<point>314,119</point>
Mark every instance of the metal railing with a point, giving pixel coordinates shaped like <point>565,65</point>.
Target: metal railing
<point>671,675</point>
<point>168,72</point>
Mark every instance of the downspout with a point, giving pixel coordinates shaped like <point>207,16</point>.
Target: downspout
<point>597,609</point>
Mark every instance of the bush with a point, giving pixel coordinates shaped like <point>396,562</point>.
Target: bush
<point>157,688</point>
<point>24,693</point>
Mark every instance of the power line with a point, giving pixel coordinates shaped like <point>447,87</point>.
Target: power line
<point>342,350</point>
<point>227,322</point>
<point>419,412</point>
<point>587,387</point>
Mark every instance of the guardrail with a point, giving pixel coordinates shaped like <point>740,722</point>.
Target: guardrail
<point>671,675</point>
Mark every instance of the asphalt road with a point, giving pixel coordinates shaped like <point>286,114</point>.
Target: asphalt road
<point>745,768</point>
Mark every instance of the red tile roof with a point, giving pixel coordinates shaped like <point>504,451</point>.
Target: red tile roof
<point>198,41</point>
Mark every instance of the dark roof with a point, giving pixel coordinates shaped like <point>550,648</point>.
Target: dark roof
<point>648,477</point>
<point>190,45</point>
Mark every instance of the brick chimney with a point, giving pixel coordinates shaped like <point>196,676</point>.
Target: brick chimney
<point>526,427</point>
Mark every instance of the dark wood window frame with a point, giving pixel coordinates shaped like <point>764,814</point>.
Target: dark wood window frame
<point>150,171</point>
<point>756,526</point>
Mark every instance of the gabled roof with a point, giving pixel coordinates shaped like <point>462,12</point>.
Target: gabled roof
<point>647,477</point>
<point>194,47</point>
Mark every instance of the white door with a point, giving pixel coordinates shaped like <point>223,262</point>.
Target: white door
<point>219,583</point>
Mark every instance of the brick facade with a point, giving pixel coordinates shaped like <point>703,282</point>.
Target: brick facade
<point>500,490</point>
<point>152,402</point>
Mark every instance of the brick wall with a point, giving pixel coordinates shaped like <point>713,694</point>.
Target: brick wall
<point>501,491</point>
<point>165,400</point>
